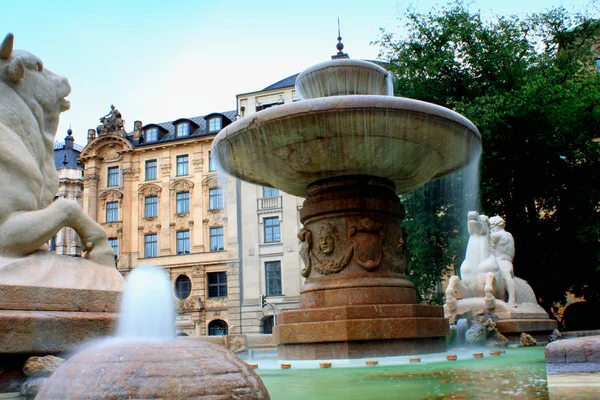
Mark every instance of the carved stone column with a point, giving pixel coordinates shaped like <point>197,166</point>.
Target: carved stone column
<point>353,246</point>
<point>357,300</point>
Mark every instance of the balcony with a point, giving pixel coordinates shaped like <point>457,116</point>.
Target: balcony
<point>268,203</point>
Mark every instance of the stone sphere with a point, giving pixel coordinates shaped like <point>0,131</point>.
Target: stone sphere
<point>171,369</point>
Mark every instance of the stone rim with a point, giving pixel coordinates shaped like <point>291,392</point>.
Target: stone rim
<point>248,135</point>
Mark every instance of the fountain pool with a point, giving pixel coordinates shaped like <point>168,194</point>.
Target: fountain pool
<point>520,373</point>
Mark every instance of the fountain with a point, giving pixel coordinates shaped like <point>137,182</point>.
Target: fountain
<point>145,360</point>
<point>49,303</point>
<point>350,148</point>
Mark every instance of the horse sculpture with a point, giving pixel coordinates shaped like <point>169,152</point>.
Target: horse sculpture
<point>480,272</point>
<point>31,100</point>
<point>487,270</point>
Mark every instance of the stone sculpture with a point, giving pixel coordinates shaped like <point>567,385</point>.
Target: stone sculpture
<point>111,122</point>
<point>487,270</point>
<point>488,284</point>
<point>503,248</point>
<point>48,303</point>
<point>32,100</point>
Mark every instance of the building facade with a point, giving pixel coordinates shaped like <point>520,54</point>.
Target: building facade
<point>70,181</point>
<point>270,259</point>
<point>158,195</point>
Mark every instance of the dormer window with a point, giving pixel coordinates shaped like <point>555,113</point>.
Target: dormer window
<point>151,135</point>
<point>214,124</point>
<point>182,129</point>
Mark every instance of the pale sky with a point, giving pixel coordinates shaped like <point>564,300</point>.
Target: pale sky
<point>158,61</point>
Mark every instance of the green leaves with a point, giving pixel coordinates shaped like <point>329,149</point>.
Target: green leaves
<point>531,87</point>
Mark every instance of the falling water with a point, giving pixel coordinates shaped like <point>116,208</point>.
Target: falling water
<point>461,330</point>
<point>147,309</point>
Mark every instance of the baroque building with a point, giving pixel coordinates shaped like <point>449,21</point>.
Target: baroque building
<point>70,181</point>
<point>270,259</point>
<point>158,195</point>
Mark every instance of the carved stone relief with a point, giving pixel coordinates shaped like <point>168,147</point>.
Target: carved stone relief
<point>213,181</point>
<point>187,305</point>
<point>181,185</point>
<point>110,196</point>
<point>395,247</point>
<point>149,189</point>
<point>113,229</point>
<point>131,173</point>
<point>110,152</point>
<point>215,218</point>
<point>90,180</point>
<point>361,242</point>
<point>165,166</point>
<point>197,162</point>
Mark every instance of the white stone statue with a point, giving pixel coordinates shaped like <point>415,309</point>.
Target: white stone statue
<point>32,99</point>
<point>487,271</point>
<point>503,248</point>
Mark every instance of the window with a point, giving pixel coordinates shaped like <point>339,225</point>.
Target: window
<point>273,271</point>
<point>183,242</point>
<point>150,170</point>
<point>215,197</point>
<point>114,243</point>
<point>182,129</point>
<point>151,245</point>
<point>216,239</point>
<point>183,287</point>
<point>218,328</point>
<point>270,192</point>
<point>112,211</point>
<point>151,207</point>
<point>272,230</point>
<point>268,323</point>
<point>52,244</point>
<point>183,202</point>
<point>598,64</point>
<point>182,165</point>
<point>151,134</point>
<point>211,162</point>
<point>112,176</point>
<point>217,284</point>
<point>214,124</point>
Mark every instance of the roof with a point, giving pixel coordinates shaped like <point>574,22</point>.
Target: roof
<point>291,80</point>
<point>201,130</point>
<point>286,82</point>
<point>64,154</point>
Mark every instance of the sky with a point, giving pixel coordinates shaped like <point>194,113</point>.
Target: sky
<point>158,61</point>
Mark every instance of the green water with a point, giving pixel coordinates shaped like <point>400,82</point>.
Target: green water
<point>518,374</point>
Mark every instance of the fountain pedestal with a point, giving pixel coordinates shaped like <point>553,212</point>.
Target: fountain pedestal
<point>357,300</point>
<point>351,148</point>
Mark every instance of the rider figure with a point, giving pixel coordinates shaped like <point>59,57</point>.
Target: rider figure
<point>503,247</point>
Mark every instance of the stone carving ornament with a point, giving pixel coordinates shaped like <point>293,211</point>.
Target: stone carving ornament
<point>363,245</point>
<point>31,102</point>
<point>90,180</point>
<point>112,122</point>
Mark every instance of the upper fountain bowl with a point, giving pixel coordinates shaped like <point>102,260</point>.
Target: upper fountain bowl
<point>345,126</point>
<point>343,77</point>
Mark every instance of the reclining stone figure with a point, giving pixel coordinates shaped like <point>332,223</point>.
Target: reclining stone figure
<point>32,99</point>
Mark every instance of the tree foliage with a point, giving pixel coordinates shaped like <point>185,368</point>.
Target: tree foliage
<point>531,87</point>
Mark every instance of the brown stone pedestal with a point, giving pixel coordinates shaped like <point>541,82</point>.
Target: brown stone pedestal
<point>357,300</point>
<point>38,321</point>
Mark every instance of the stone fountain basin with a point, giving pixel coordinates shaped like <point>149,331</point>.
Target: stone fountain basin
<point>291,146</point>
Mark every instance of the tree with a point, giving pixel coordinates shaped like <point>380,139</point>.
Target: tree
<point>530,86</point>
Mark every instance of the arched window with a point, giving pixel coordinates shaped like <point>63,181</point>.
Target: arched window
<point>183,287</point>
<point>218,327</point>
<point>268,324</point>
<point>182,334</point>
